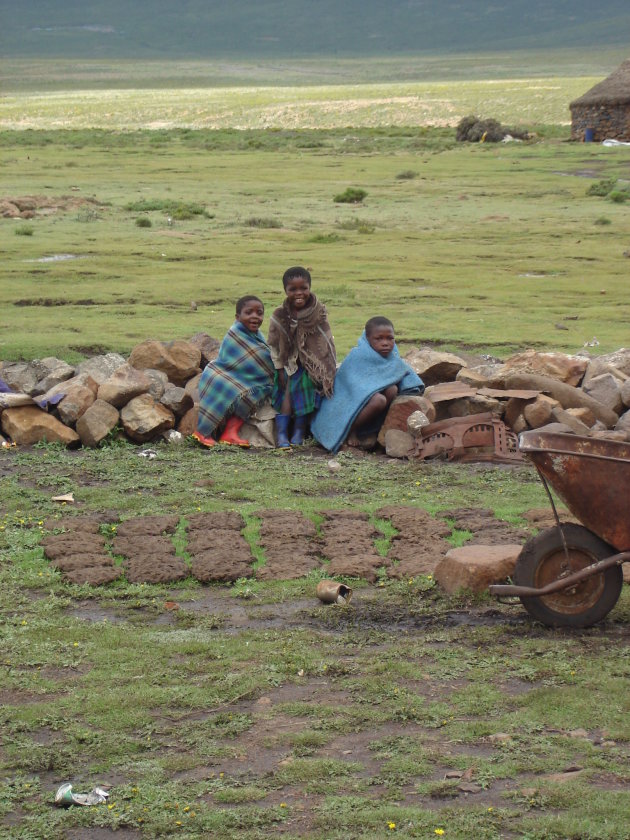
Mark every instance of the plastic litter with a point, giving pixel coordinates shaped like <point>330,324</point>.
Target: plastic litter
<point>147,453</point>
<point>66,797</point>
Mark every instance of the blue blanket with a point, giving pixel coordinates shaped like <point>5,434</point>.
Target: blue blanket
<point>363,373</point>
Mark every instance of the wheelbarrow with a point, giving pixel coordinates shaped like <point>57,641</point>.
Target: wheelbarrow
<point>570,575</point>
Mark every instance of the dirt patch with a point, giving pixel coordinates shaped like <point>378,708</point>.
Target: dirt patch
<point>156,569</point>
<point>485,527</point>
<point>148,526</point>
<point>30,206</point>
<point>69,543</point>
<point>289,541</point>
<point>222,520</point>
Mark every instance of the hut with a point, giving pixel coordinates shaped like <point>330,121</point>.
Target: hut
<point>604,110</point>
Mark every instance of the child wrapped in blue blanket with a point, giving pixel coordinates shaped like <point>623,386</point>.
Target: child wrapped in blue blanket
<point>369,378</point>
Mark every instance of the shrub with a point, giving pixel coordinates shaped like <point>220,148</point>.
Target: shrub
<point>472,129</point>
<point>143,221</point>
<point>602,220</point>
<point>407,175</point>
<point>360,225</point>
<point>24,230</point>
<point>325,238</point>
<point>618,196</point>
<point>262,222</point>
<point>602,188</point>
<point>352,195</point>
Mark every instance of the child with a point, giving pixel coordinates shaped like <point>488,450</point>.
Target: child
<point>369,378</point>
<point>238,379</point>
<point>303,354</point>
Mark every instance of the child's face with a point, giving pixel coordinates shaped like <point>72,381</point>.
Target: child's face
<point>381,339</point>
<point>298,292</point>
<point>251,315</point>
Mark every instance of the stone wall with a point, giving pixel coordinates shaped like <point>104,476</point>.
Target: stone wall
<point>607,121</point>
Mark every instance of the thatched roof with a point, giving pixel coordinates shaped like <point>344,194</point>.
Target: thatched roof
<point>615,90</point>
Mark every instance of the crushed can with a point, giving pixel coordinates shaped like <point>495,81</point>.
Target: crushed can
<point>65,796</point>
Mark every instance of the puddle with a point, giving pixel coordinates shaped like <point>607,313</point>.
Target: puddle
<point>55,258</point>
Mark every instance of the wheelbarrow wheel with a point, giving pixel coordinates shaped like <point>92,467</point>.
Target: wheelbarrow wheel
<point>543,560</point>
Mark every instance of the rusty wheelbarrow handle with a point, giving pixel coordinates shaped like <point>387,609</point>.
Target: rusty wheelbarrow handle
<point>560,583</point>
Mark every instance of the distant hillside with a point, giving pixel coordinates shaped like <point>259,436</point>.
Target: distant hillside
<point>172,29</point>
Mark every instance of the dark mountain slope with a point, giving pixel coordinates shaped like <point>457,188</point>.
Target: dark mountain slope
<point>289,28</point>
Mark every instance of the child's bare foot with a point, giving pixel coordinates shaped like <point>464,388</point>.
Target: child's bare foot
<point>353,440</point>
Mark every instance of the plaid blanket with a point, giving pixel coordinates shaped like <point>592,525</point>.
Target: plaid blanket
<point>362,373</point>
<point>237,380</point>
<point>305,398</point>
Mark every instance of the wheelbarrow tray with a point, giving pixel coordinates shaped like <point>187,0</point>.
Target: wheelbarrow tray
<point>590,475</point>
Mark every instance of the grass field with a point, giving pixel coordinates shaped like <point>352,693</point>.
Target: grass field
<point>251,711</point>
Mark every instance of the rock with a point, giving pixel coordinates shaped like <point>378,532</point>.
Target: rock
<point>50,372</point>
<point>619,361</point>
<point>577,733</point>
<point>557,428</point>
<point>475,405</point>
<point>333,466</point>
<point>584,415</point>
<point>20,377</point>
<point>178,359</point>
<point>623,424</point>
<point>566,395</point>
<point>500,738</point>
<point>475,567</point>
<point>416,421</point>
<point>625,393</point>
<point>559,415</point>
<point>472,377</point>
<point>538,413</point>
<point>123,385</point>
<point>79,397</point>
<point>433,366</point>
<point>192,388</point>
<point>177,400</point>
<point>208,347</point>
<point>610,434</point>
<point>606,390</point>
<point>568,369</point>
<point>158,380</point>
<point>29,424</point>
<point>399,410</point>
<point>97,422</point>
<point>143,419</point>
<point>399,444</point>
<point>188,424</point>
<point>101,368</point>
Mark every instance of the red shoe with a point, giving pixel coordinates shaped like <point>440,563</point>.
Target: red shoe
<point>230,434</point>
<point>204,441</point>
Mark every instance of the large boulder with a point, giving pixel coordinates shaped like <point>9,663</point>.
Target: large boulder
<point>158,382</point>
<point>29,424</point>
<point>50,372</point>
<point>178,359</point>
<point>80,393</point>
<point>208,347</point>
<point>177,400</point>
<point>125,383</point>
<point>188,424</point>
<point>21,377</point>
<point>475,567</point>
<point>433,366</point>
<point>605,388</point>
<point>617,363</point>
<point>400,410</point>
<point>143,419</point>
<point>97,422</point>
<point>101,368</point>
<point>538,412</point>
<point>569,369</point>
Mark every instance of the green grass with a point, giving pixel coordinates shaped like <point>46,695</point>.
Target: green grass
<point>285,717</point>
<point>485,235</point>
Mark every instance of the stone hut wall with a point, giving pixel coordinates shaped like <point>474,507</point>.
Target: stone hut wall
<point>607,121</point>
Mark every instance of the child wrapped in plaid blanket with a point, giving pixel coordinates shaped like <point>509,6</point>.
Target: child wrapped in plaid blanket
<point>238,380</point>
